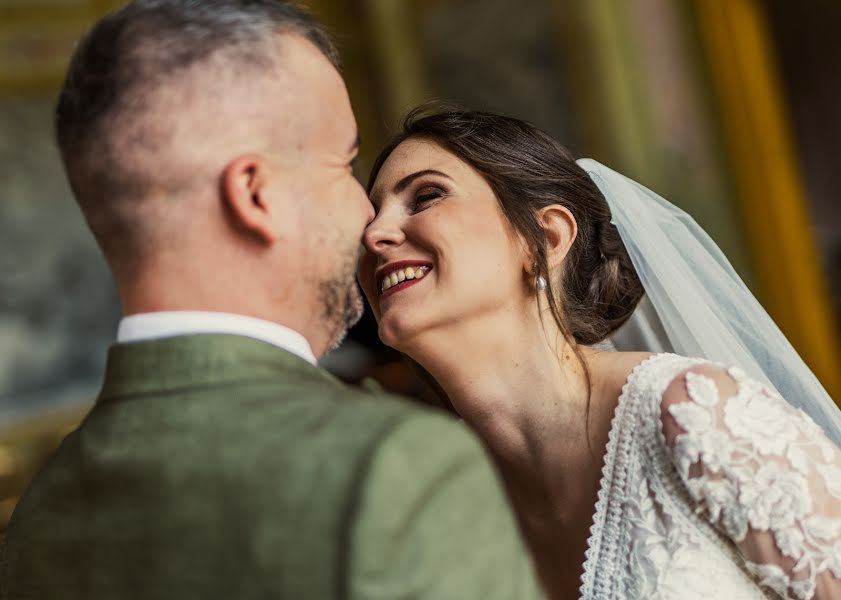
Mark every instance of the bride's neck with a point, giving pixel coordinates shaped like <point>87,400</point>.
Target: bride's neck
<point>516,382</point>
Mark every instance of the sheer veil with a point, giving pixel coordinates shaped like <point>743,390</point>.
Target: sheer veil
<point>696,305</point>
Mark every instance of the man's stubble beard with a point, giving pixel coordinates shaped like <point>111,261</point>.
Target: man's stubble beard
<point>341,301</point>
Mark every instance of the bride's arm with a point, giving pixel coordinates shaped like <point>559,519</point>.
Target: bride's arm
<point>763,473</point>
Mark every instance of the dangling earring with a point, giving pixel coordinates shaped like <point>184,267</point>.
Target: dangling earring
<point>540,282</point>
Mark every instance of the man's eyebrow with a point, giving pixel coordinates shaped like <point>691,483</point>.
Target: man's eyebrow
<point>408,179</point>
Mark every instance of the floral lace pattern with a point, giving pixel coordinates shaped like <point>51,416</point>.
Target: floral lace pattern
<point>720,509</point>
<point>767,476</point>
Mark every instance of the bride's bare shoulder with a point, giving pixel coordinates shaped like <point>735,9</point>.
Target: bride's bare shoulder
<point>621,364</point>
<point>614,368</point>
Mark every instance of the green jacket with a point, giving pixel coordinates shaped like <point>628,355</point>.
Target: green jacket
<point>216,466</point>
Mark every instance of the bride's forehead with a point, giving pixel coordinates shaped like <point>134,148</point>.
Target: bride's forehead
<point>417,147</point>
<point>414,155</point>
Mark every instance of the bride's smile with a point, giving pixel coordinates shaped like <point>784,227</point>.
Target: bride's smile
<point>397,276</point>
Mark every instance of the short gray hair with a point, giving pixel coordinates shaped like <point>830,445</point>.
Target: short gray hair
<point>130,51</point>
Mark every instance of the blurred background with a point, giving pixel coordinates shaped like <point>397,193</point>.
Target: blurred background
<point>729,108</point>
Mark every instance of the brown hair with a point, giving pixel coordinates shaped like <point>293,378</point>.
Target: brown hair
<point>598,288</point>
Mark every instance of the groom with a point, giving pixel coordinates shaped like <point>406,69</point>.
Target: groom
<point>209,145</point>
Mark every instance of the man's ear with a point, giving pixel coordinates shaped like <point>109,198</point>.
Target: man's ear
<point>244,195</point>
<point>560,228</point>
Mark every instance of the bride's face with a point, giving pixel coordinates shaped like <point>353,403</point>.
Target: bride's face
<point>439,253</point>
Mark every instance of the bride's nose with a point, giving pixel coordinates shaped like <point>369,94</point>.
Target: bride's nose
<point>382,233</point>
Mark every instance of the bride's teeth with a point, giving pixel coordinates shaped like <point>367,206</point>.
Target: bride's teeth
<point>402,275</point>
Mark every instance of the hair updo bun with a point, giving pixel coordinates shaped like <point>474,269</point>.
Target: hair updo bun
<point>601,293</point>
<point>598,288</point>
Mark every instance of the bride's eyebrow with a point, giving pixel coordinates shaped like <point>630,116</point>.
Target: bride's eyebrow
<point>408,179</point>
<point>375,195</point>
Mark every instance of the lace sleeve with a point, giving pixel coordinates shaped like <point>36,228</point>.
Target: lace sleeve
<point>763,473</point>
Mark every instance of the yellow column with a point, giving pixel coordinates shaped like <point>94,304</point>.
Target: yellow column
<point>349,25</point>
<point>608,85</point>
<point>735,36</point>
<point>397,55</point>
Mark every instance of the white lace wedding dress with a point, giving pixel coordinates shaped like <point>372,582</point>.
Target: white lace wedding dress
<point>739,497</point>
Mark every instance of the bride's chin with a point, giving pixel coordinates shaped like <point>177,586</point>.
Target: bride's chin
<point>389,335</point>
<point>397,334</point>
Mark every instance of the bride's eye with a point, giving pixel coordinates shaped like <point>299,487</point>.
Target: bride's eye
<point>425,197</point>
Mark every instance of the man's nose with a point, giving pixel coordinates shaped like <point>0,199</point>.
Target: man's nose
<point>370,213</point>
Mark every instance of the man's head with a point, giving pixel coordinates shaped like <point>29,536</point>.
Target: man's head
<point>209,143</point>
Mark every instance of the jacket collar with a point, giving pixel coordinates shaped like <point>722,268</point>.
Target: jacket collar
<point>190,361</point>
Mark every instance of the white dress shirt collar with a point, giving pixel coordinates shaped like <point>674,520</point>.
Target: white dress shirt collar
<point>157,325</point>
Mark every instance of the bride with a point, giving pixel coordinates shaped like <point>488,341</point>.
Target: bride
<point>498,264</point>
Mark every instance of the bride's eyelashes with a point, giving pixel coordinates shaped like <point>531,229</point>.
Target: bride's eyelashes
<point>426,196</point>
